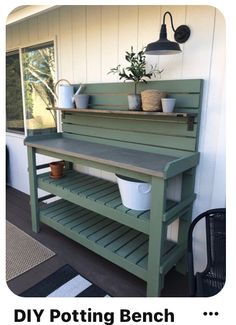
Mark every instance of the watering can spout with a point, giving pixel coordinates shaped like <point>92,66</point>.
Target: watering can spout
<point>80,90</point>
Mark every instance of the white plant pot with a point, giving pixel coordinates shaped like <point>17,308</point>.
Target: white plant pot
<point>135,194</point>
<point>168,104</point>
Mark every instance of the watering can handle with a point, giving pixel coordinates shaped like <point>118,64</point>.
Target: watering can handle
<point>57,83</point>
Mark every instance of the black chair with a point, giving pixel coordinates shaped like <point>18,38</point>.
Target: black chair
<point>212,279</point>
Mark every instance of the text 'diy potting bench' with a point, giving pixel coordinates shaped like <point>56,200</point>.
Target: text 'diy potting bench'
<point>152,147</point>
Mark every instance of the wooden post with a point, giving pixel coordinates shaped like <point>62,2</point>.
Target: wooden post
<point>156,237</point>
<point>33,189</point>
<point>184,222</point>
<point>188,180</point>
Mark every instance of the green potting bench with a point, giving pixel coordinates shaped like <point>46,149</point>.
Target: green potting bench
<point>153,147</point>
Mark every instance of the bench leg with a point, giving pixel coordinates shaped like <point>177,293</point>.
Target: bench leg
<point>184,223</point>
<point>156,238</point>
<point>181,266</point>
<point>33,189</point>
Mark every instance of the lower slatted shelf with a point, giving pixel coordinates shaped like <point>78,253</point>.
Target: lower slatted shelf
<point>118,243</point>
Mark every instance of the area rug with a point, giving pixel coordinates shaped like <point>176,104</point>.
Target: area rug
<point>65,282</point>
<point>22,252</point>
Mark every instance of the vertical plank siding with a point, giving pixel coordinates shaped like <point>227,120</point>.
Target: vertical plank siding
<point>109,41</point>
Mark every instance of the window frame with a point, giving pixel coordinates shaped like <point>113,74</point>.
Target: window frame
<point>19,49</point>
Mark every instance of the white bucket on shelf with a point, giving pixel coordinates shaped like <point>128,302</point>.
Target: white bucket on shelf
<point>135,194</point>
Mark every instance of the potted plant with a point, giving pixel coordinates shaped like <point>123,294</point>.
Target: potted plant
<point>135,72</point>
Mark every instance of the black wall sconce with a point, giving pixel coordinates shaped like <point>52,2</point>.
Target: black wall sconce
<point>163,46</point>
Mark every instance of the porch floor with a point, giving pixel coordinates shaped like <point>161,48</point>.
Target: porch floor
<point>111,278</point>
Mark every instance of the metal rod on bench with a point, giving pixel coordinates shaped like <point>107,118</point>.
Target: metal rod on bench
<point>46,197</point>
<point>42,166</point>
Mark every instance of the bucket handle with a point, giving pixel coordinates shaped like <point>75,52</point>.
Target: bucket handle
<point>57,83</point>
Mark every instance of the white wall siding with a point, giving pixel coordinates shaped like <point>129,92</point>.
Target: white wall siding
<point>109,41</point>
<point>216,120</point>
<point>65,45</point>
<point>211,174</point>
<point>79,62</point>
<point>93,39</point>
<point>18,163</point>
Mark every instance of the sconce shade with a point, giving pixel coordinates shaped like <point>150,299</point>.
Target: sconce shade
<point>162,47</point>
<point>165,47</point>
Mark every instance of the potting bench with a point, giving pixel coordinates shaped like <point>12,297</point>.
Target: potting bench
<point>149,146</point>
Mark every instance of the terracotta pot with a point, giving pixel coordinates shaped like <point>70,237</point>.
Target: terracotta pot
<point>56,169</point>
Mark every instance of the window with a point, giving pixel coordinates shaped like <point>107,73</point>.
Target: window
<point>38,69</point>
<point>14,104</point>
<point>39,78</point>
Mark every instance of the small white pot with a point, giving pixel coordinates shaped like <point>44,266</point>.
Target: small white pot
<point>168,104</point>
<point>135,194</point>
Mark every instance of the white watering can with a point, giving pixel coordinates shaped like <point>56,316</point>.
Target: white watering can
<point>65,94</point>
<point>66,97</point>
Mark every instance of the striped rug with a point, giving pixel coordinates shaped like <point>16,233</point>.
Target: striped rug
<point>65,282</point>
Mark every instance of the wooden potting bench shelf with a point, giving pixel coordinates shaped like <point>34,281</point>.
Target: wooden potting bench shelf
<point>90,210</point>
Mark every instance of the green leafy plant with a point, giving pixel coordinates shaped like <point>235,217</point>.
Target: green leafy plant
<point>136,71</point>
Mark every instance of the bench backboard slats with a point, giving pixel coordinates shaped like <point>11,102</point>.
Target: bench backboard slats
<point>142,131</point>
